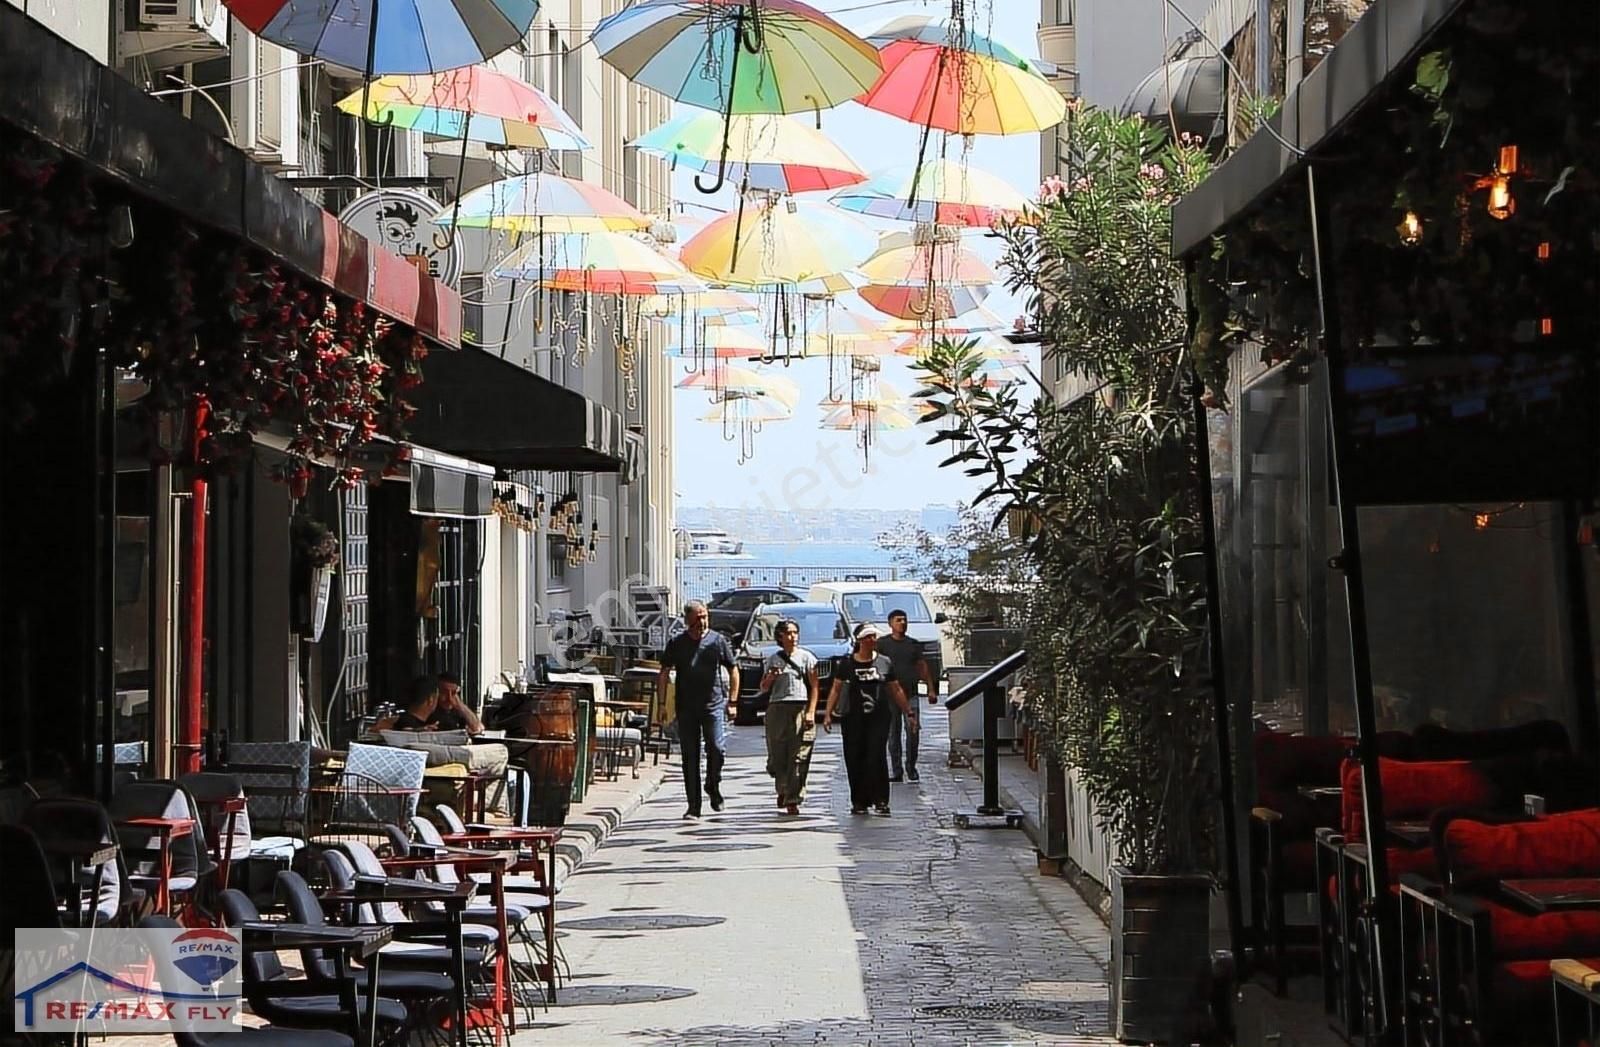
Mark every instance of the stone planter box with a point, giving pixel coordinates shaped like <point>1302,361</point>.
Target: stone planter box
<point>1160,957</point>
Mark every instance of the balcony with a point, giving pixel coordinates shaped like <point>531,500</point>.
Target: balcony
<point>1058,46</point>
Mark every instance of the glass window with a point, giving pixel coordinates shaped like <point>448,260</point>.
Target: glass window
<point>875,607</point>
<point>818,626</point>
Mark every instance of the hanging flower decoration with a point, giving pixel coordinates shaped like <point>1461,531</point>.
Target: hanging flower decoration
<point>193,314</point>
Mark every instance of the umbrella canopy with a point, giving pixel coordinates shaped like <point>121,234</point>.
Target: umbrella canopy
<point>791,242</point>
<point>978,321</point>
<point>947,193</point>
<point>931,281</point>
<point>545,203</point>
<point>604,263</point>
<point>768,152</point>
<point>868,417</point>
<point>723,377</point>
<point>794,58</point>
<point>991,345</point>
<point>748,407</point>
<point>850,332</point>
<point>978,87</point>
<point>476,104</point>
<point>390,36</point>
<point>727,342</point>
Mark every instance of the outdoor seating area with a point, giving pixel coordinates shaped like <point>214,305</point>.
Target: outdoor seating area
<point>1490,865</point>
<point>376,922</point>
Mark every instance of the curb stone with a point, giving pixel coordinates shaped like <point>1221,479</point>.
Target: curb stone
<point>582,836</point>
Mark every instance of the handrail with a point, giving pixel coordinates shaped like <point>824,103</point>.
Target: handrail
<point>989,677</point>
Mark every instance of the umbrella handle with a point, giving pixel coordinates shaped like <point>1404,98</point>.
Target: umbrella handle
<point>739,45</point>
<point>443,243</point>
<point>748,29</point>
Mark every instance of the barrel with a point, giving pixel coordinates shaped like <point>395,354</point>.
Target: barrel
<point>552,720</point>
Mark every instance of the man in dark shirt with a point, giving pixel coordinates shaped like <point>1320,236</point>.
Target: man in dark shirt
<point>421,704</point>
<point>909,667</point>
<point>451,713</point>
<point>700,657</point>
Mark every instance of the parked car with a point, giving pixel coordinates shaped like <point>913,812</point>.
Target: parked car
<point>823,632</point>
<point>872,601</point>
<point>731,608</point>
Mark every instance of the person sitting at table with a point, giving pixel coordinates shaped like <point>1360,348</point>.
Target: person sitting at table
<point>450,713</point>
<point>422,705</point>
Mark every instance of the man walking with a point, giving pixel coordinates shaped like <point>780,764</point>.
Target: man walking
<point>699,657</point>
<point>905,654</point>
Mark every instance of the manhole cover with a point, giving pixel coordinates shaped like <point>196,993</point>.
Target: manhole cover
<point>612,995</point>
<point>706,848</point>
<point>642,922</point>
<point>1003,1011</point>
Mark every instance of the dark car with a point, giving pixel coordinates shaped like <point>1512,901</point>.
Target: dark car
<point>823,632</point>
<point>731,608</point>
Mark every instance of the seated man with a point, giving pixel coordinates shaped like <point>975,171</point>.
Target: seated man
<point>426,711</point>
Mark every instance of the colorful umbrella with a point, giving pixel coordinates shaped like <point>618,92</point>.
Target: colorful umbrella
<point>738,56</point>
<point>743,414</point>
<point>969,85</point>
<point>947,193</point>
<point>728,342</point>
<point>476,104</point>
<point>544,204</point>
<point>601,263</point>
<point>723,377</point>
<point>785,243</point>
<point>390,36</point>
<point>990,343</point>
<point>767,152</point>
<point>932,280</point>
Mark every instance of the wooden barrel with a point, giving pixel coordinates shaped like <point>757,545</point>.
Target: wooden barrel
<point>552,719</point>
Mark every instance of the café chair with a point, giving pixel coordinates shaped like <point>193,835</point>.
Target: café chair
<point>191,867</point>
<point>109,897</point>
<point>412,949</point>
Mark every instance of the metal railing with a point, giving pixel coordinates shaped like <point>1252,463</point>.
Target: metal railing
<point>701,580</point>
<point>990,686</point>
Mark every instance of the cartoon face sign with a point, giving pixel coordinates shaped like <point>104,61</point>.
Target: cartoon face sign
<point>400,221</point>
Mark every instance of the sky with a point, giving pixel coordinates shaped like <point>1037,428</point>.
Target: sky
<point>797,465</point>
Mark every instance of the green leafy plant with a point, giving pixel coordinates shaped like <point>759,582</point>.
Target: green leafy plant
<point>314,543</point>
<point>1115,619</point>
<point>986,572</point>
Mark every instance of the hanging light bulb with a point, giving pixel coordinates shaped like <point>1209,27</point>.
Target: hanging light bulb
<point>1410,229</point>
<point>1502,204</point>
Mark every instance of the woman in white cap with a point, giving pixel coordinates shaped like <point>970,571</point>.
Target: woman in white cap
<point>863,686</point>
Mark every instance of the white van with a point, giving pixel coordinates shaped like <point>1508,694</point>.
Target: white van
<point>872,602</point>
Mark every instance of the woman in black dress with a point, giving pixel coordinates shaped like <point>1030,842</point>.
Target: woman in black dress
<point>864,684</point>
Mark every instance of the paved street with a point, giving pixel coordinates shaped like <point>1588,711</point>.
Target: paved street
<point>750,927</point>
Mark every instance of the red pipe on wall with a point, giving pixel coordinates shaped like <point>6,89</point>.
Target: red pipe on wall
<point>191,713</point>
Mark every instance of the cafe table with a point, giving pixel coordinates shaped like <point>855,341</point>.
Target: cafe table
<point>1554,894</point>
<point>166,830</point>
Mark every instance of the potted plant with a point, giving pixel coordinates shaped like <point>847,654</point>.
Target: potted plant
<point>1108,489</point>
<point>315,552</point>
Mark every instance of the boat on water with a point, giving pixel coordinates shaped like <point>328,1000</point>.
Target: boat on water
<point>693,542</point>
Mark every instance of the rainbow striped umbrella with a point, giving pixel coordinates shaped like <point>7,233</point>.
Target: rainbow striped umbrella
<point>947,193</point>
<point>765,151</point>
<point>756,407</point>
<point>964,86</point>
<point>390,36</point>
<point>727,342</point>
<point>545,204</point>
<point>929,281</point>
<point>722,377</point>
<point>601,263</point>
<point>476,104</point>
<point>792,242</point>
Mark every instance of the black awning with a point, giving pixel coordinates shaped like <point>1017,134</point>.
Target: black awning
<point>1385,38</point>
<point>474,404</point>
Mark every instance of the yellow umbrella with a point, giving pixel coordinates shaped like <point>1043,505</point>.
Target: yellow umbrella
<point>926,280</point>
<point>723,377</point>
<point>783,243</point>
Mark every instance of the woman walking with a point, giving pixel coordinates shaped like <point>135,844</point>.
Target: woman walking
<point>789,680</point>
<point>864,685</point>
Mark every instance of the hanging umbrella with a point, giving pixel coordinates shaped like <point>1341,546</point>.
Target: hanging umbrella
<point>981,320</point>
<point>601,263</point>
<point>784,243</point>
<point>728,342</point>
<point>738,57</point>
<point>948,193</point>
<point>544,204</point>
<point>476,104</point>
<point>970,85</point>
<point>877,417</point>
<point>743,414</point>
<point>766,152</point>
<point>722,377</point>
<point>935,280</point>
<point>992,345</point>
<point>390,36</point>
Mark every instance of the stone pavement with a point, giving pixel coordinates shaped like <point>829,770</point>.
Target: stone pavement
<point>751,927</point>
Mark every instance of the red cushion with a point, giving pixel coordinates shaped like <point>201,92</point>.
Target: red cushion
<point>1401,860</point>
<point>1415,790</point>
<point>1550,847</point>
<point>1517,935</point>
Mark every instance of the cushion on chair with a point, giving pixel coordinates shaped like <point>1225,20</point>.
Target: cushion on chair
<point>1477,854</point>
<point>1415,790</point>
<point>1285,762</point>
<point>1518,935</point>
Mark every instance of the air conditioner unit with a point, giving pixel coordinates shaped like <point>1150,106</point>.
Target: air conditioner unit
<point>166,33</point>
<point>265,101</point>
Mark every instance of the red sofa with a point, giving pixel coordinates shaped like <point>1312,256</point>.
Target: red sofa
<point>1475,963</point>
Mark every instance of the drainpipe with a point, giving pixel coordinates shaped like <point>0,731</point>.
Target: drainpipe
<point>164,607</point>
<point>191,715</point>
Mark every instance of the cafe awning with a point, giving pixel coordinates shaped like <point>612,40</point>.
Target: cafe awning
<point>62,96</point>
<point>1378,45</point>
<point>475,404</point>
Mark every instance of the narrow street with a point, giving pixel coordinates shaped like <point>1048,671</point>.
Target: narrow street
<point>749,927</point>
